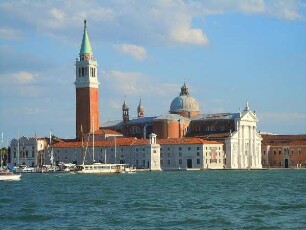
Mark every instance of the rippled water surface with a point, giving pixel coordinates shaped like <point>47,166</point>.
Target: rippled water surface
<point>266,199</point>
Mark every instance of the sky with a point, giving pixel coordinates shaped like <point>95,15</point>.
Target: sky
<point>227,52</point>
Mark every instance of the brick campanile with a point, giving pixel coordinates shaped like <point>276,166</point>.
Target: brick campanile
<point>87,89</point>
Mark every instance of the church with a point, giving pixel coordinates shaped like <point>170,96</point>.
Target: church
<point>182,138</point>
<point>236,131</point>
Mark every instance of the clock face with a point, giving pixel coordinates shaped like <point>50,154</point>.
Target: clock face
<point>134,130</point>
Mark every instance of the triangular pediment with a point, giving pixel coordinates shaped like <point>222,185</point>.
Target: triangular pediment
<point>248,116</point>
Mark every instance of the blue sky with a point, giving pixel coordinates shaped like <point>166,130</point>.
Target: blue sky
<point>227,51</point>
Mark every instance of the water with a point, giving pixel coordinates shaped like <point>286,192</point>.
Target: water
<point>266,199</point>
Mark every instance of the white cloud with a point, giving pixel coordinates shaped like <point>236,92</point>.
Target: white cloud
<point>23,77</point>
<point>137,52</point>
<point>189,36</point>
<point>127,83</point>
<point>57,14</point>
<point>151,22</point>
<point>10,34</point>
<point>288,9</point>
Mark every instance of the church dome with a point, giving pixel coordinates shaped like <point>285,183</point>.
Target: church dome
<point>184,102</point>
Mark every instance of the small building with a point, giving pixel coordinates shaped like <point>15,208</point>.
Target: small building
<point>283,151</point>
<point>191,153</point>
<point>28,151</point>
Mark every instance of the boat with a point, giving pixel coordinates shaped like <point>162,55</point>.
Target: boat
<point>100,168</point>
<point>129,169</point>
<point>25,169</point>
<point>8,175</point>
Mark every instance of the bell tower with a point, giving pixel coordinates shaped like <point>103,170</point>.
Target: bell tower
<point>140,109</point>
<point>125,112</point>
<point>87,89</point>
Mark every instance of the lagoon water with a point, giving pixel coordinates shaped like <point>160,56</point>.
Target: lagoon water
<point>261,199</point>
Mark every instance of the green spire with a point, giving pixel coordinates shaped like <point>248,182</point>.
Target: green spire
<point>86,46</point>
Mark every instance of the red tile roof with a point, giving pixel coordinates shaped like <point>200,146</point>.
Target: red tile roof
<point>284,139</point>
<point>134,141</point>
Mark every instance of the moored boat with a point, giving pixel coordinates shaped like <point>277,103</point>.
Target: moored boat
<point>99,168</point>
<point>25,169</point>
<point>129,169</point>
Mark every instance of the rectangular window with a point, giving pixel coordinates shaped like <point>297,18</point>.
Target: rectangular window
<point>168,162</point>
<point>279,152</point>
<point>198,148</point>
<point>180,154</point>
<point>264,153</point>
<point>136,149</point>
<point>180,148</point>
<point>180,161</point>
<point>299,151</point>
<point>198,161</point>
<point>198,154</point>
<point>168,148</point>
<point>274,152</point>
<point>189,148</point>
<point>292,151</point>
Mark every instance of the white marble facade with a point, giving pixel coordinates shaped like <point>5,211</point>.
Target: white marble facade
<point>243,147</point>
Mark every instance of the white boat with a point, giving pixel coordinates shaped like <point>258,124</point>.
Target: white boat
<point>8,175</point>
<point>129,169</point>
<point>99,168</point>
<point>25,169</point>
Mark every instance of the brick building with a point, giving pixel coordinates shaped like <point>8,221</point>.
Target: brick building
<point>283,151</point>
